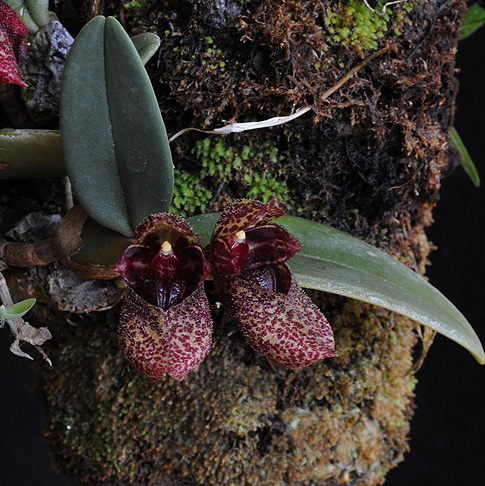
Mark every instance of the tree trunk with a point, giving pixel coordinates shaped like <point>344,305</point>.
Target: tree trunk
<point>367,160</point>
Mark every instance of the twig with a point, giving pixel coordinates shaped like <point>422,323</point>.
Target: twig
<point>354,70</point>
<point>68,193</point>
<point>280,120</point>
<point>381,14</point>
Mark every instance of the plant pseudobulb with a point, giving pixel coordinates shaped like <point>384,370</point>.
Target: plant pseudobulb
<point>165,324</point>
<point>278,319</point>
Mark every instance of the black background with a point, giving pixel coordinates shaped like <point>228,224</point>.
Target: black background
<point>448,430</point>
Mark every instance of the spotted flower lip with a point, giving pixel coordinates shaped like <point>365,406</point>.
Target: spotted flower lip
<point>248,255</point>
<point>288,329</point>
<point>159,343</point>
<point>165,325</point>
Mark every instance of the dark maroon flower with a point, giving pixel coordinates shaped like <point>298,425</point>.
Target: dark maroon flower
<point>248,255</point>
<point>165,324</point>
<point>13,37</point>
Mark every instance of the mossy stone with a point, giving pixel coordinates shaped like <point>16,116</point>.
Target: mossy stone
<point>235,420</point>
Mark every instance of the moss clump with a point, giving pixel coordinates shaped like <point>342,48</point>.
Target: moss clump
<point>222,59</point>
<point>354,25</point>
<point>221,171</point>
<point>236,420</point>
<point>190,195</point>
<point>355,163</point>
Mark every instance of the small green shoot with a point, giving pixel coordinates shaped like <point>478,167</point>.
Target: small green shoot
<point>467,162</point>
<point>17,310</point>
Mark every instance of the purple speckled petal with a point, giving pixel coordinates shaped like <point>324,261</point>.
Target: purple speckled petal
<point>172,342</point>
<point>289,330</point>
<point>13,37</point>
<point>165,226</point>
<point>244,215</point>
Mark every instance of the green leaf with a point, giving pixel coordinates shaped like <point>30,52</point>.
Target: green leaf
<point>17,310</point>
<point>472,21</point>
<point>31,153</point>
<point>336,262</point>
<point>39,11</point>
<point>203,225</point>
<point>33,13</point>
<point>114,141</point>
<point>146,44</point>
<point>467,162</point>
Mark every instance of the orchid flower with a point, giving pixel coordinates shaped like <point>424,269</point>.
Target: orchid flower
<point>165,324</point>
<point>248,255</point>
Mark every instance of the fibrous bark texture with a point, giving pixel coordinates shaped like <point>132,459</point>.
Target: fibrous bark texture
<point>366,160</point>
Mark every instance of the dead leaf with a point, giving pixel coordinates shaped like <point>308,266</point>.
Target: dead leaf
<point>32,335</point>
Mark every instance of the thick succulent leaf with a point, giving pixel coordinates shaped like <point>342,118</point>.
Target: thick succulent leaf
<point>146,44</point>
<point>467,162</point>
<point>114,141</point>
<point>16,310</point>
<point>30,153</point>
<point>336,262</point>
<point>472,21</point>
<point>39,11</point>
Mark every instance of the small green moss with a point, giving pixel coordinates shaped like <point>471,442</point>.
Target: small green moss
<point>136,4</point>
<point>238,168</point>
<point>263,187</point>
<point>353,24</point>
<point>190,195</point>
<point>213,57</point>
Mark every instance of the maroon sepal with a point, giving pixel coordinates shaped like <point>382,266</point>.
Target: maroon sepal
<point>164,278</point>
<point>288,329</point>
